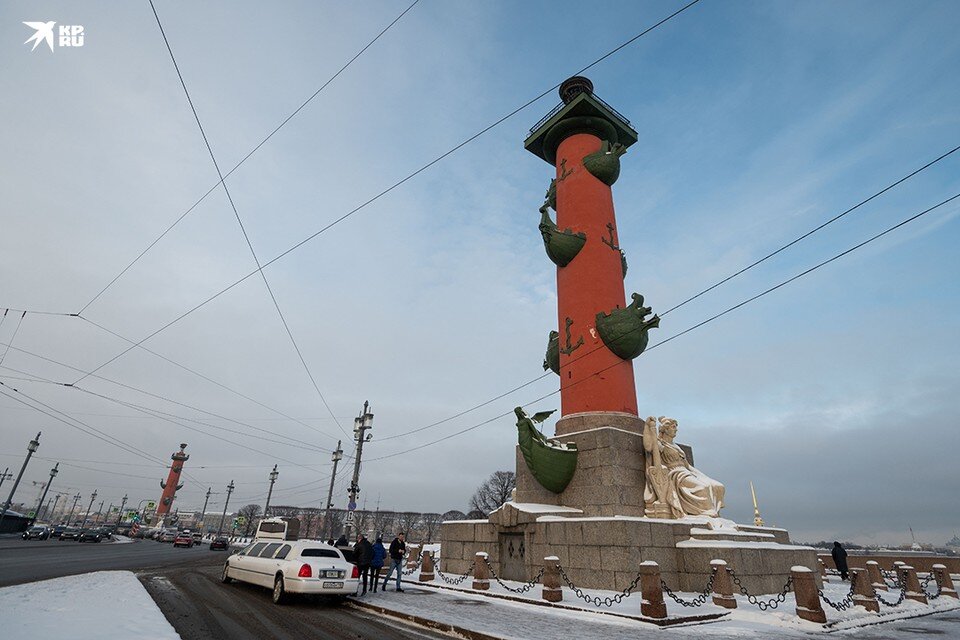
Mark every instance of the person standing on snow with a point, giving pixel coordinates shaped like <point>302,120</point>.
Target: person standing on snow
<point>379,555</point>
<point>840,559</point>
<point>363,556</point>
<point>398,548</point>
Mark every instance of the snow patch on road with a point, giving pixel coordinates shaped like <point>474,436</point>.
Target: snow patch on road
<point>107,605</point>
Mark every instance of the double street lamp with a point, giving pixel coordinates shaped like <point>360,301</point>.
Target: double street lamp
<point>31,449</point>
<point>89,507</point>
<point>53,474</point>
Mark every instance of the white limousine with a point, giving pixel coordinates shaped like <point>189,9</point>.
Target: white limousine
<point>293,566</point>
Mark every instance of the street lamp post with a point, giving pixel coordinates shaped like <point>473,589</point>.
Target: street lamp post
<point>360,425</point>
<point>6,474</point>
<point>226,502</point>
<point>53,474</point>
<point>203,514</point>
<point>273,478</point>
<point>53,510</point>
<point>86,516</point>
<point>336,458</point>
<point>76,499</point>
<point>31,449</point>
<point>123,504</point>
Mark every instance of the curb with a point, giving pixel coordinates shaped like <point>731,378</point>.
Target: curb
<point>424,622</point>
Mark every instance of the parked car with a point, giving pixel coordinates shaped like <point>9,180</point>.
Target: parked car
<point>183,539</point>
<point>168,535</point>
<point>304,566</point>
<point>40,532</point>
<point>90,535</point>
<point>57,530</point>
<point>106,532</point>
<point>197,537</point>
<point>219,543</point>
<point>70,533</point>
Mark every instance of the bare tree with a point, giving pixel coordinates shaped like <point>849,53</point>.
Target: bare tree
<point>431,523</point>
<point>495,490</point>
<point>249,512</point>
<point>453,514</point>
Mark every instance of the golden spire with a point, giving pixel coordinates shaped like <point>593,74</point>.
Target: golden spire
<point>757,520</point>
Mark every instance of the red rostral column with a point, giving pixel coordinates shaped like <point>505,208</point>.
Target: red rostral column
<point>173,484</point>
<point>583,139</point>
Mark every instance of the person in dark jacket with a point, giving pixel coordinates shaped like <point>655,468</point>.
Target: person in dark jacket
<point>341,541</point>
<point>362,557</point>
<point>379,554</point>
<point>840,559</point>
<point>398,548</point>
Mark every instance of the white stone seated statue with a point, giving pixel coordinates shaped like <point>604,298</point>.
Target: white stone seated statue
<point>675,488</point>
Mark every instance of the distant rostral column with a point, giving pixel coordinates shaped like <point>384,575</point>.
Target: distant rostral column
<point>598,332</point>
<point>173,484</point>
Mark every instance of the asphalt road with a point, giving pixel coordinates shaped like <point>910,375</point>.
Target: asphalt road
<point>30,560</point>
<point>200,607</point>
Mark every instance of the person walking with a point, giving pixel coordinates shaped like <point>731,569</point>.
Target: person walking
<point>398,549</point>
<point>341,541</point>
<point>379,555</point>
<point>363,556</point>
<point>840,559</point>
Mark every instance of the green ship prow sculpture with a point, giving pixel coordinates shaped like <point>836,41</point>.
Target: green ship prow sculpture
<point>551,463</point>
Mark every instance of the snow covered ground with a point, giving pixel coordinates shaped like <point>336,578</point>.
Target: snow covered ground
<point>107,605</point>
<point>518,620</point>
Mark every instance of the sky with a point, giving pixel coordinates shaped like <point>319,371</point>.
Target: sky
<point>836,395</point>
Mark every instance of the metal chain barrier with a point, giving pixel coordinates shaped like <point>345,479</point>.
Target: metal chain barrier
<point>847,601</point>
<point>454,581</point>
<point>526,585</point>
<point>597,601</point>
<point>696,602</point>
<point>926,581</point>
<point>772,603</point>
<point>903,594</point>
<point>891,579</point>
<point>407,572</point>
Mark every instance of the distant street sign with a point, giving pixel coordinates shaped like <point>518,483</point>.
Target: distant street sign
<point>136,518</point>
<point>241,520</point>
<point>32,514</point>
<point>350,517</point>
<point>151,505</point>
<point>352,506</point>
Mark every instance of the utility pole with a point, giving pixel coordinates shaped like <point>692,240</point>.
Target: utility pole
<point>53,511</point>
<point>31,448</point>
<point>53,474</point>
<point>273,478</point>
<point>360,425</point>
<point>76,499</point>
<point>6,474</point>
<point>230,489</point>
<point>336,458</point>
<point>123,504</point>
<point>86,516</point>
<point>203,514</point>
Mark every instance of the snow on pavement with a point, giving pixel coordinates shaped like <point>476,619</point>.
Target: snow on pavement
<point>107,605</point>
<point>516,620</point>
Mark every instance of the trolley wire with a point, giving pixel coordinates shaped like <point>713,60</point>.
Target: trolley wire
<point>688,329</point>
<point>395,185</point>
<point>247,157</point>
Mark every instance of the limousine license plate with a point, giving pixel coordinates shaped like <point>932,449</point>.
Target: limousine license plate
<point>333,585</point>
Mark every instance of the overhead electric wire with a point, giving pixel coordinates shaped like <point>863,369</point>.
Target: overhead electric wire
<point>688,329</point>
<point>147,393</point>
<point>207,378</point>
<point>91,431</point>
<point>395,185</point>
<point>250,153</point>
<point>14,336</point>
<point>243,229</point>
<point>710,288</point>
<point>812,231</point>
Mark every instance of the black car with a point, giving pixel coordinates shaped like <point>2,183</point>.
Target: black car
<point>90,535</point>
<point>39,532</point>
<point>70,533</point>
<point>57,530</point>
<point>219,543</point>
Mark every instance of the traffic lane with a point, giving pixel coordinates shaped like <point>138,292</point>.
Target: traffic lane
<point>200,607</point>
<point>30,562</point>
